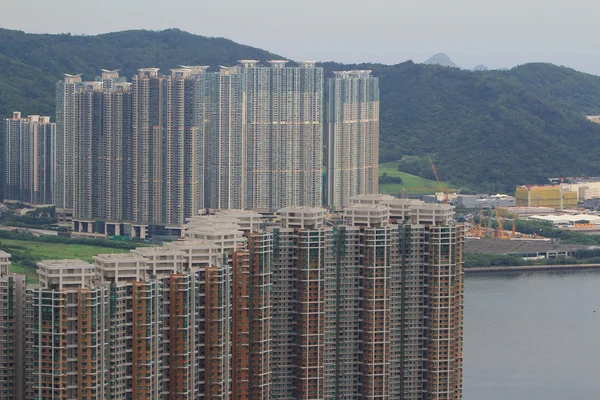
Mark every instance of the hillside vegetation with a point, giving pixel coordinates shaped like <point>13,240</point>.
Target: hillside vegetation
<point>488,130</point>
<point>31,64</point>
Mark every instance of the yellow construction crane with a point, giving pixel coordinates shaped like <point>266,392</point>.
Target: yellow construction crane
<point>481,224</point>
<point>437,178</point>
<point>499,226</point>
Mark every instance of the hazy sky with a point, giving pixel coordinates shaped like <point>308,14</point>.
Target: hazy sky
<point>496,33</point>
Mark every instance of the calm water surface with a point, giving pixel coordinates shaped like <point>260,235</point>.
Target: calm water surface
<point>532,336</point>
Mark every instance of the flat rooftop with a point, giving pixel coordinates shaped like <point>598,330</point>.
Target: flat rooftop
<point>568,218</point>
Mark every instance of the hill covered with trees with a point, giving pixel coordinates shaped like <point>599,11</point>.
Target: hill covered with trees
<point>486,130</point>
<point>30,64</point>
<point>489,130</point>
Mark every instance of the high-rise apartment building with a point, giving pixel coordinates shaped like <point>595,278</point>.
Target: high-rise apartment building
<point>366,303</point>
<point>150,324</point>
<point>427,310</point>
<point>194,115</point>
<point>225,139</point>
<point>352,136</point>
<point>284,134</point>
<point>102,147</point>
<point>139,158</point>
<point>113,159</point>
<point>12,297</point>
<point>369,306</point>
<point>147,142</point>
<point>30,159</point>
<point>66,129</point>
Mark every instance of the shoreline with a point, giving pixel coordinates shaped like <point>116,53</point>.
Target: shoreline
<point>524,268</point>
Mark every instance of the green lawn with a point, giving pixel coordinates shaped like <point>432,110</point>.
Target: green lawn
<point>50,251</point>
<point>20,269</point>
<point>412,183</point>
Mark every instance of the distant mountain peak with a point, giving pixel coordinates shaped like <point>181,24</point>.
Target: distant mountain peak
<point>480,67</point>
<point>441,59</point>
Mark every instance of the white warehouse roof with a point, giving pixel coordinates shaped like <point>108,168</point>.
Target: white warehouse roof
<point>568,219</point>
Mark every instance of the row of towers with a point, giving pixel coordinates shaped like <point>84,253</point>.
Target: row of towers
<point>160,148</point>
<point>361,304</point>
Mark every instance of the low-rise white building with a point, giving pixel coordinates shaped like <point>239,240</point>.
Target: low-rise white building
<point>572,221</point>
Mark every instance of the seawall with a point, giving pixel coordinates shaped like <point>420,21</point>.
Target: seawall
<point>566,267</point>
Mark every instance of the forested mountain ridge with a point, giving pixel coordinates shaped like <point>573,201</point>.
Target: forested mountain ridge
<point>487,130</point>
<point>30,64</point>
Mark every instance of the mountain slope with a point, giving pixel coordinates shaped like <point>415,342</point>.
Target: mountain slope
<point>31,64</point>
<point>488,130</point>
<point>568,88</point>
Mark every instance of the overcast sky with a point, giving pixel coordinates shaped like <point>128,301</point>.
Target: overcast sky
<point>491,32</point>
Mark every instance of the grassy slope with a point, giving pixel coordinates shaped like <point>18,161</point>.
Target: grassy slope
<point>52,251</point>
<point>21,270</point>
<point>412,183</point>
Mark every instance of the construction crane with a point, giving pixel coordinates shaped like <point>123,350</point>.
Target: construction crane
<point>481,223</point>
<point>500,232</point>
<point>437,178</point>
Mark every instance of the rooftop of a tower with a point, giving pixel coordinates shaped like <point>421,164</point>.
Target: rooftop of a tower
<point>307,63</point>
<point>63,264</point>
<point>162,250</point>
<point>119,257</point>
<point>353,73</point>
<point>193,243</point>
<point>223,69</point>
<point>249,62</point>
<point>196,68</point>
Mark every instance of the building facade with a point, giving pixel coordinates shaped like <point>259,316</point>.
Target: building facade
<point>555,196</point>
<point>101,193</point>
<point>12,298</point>
<point>284,125</point>
<point>139,158</point>
<point>225,139</point>
<point>66,130</point>
<point>30,159</point>
<point>363,304</point>
<point>352,136</point>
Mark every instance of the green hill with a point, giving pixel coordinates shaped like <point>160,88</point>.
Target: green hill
<point>31,64</point>
<point>489,130</point>
<point>486,130</point>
